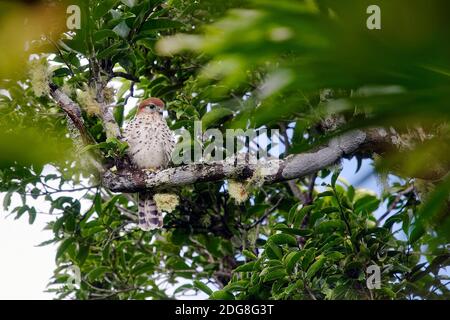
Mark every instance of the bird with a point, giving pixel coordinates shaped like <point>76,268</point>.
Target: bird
<point>150,146</point>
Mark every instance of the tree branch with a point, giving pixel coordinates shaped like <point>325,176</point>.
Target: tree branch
<point>292,184</point>
<point>395,202</point>
<point>271,171</point>
<point>73,112</point>
<point>110,125</point>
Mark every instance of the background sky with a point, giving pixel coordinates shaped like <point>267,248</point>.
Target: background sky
<point>24,268</point>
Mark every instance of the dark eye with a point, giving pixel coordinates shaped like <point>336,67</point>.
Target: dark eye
<point>151,106</point>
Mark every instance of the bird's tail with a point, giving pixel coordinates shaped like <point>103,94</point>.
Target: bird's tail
<point>149,216</point>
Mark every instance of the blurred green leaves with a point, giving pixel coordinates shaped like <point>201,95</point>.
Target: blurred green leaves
<point>300,47</point>
<point>30,147</point>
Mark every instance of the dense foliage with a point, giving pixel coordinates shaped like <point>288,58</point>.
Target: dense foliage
<point>286,64</point>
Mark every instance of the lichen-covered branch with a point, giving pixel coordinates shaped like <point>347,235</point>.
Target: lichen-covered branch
<point>109,123</point>
<point>295,166</point>
<point>73,112</point>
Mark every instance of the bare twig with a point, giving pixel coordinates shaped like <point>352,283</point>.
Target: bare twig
<point>394,203</point>
<point>265,215</point>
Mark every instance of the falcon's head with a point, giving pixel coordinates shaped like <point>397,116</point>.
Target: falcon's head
<point>151,105</point>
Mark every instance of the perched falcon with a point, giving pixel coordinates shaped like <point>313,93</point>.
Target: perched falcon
<point>150,147</point>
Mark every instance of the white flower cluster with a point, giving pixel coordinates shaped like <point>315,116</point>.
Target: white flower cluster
<point>39,76</point>
<point>166,202</point>
<point>237,191</point>
<point>86,98</point>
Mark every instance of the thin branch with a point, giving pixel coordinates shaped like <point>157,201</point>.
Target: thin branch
<point>110,125</point>
<point>394,203</point>
<point>61,55</point>
<point>265,215</point>
<point>128,213</point>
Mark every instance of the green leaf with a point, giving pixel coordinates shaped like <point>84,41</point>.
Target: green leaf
<point>326,194</point>
<point>58,224</point>
<point>308,258</point>
<point>315,267</point>
<point>98,204</point>
<point>416,233</point>
<point>7,200</point>
<point>146,267</point>
<point>282,238</point>
<point>110,51</point>
<point>292,212</point>
<point>21,211</point>
<point>183,288</point>
<point>350,193</point>
<point>70,223</point>
<point>158,24</point>
<point>216,117</point>
<point>103,34</point>
<point>103,7</point>
<point>200,285</point>
<point>335,256</point>
<point>275,275</point>
<point>291,259</point>
<point>295,231</point>
<point>331,225</point>
<point>97,273</point>
<point>240,285</point>
<point>35,193</point>
<point>122,29</point>
<point>330,209</point>
<point>90,230</point>
<point>273,251</point>
<point>179,236</point>
<point>388,291</point>
<point>430,210</point>
<point>366,204</point>
<point>246,267</point>
<point>222,295</point>
<point>129,3</point>
<point>63,247</point>
<point>83,253</point>
<point>249,254</point>
<point>61,72</point>
<point>300,215</point>
<point>177,263</point>
<point>119,114</point>
<point>334,177</point>
<point>31,215</point>
<point>46,243</point>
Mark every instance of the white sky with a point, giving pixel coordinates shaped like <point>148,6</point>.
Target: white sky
<point>25,269</point>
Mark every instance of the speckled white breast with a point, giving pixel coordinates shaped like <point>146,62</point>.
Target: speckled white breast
<point>150,141</point>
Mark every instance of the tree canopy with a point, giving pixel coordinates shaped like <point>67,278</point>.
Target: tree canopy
<point>310,69</point>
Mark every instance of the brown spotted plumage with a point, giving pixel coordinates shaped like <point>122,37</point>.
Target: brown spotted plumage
<point>150,147</point>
